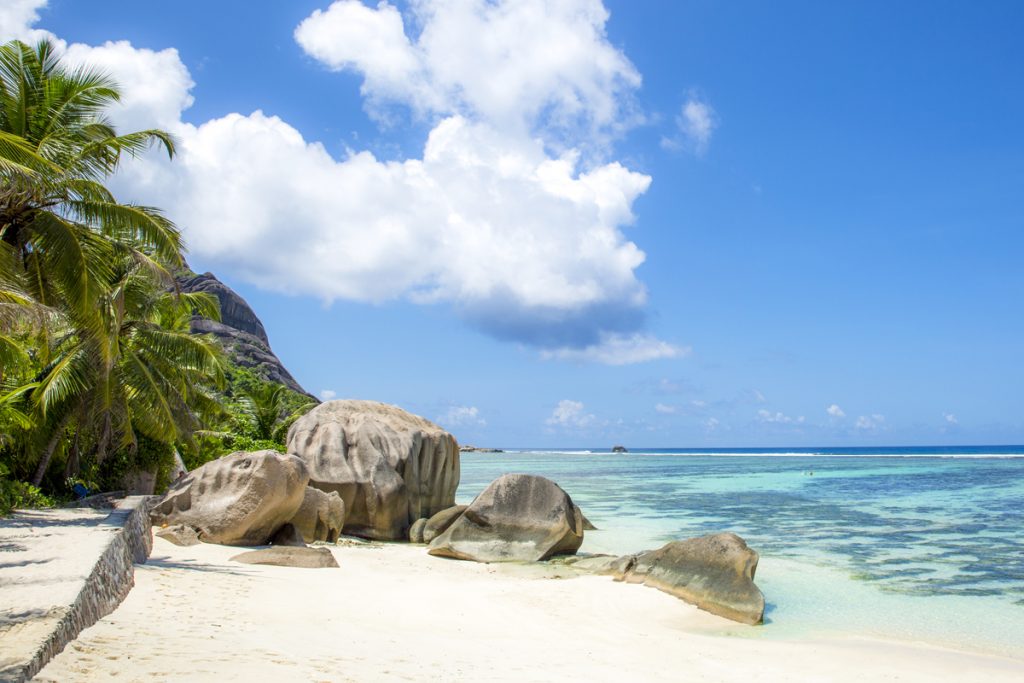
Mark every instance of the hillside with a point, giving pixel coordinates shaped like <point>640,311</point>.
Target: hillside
<point>240,330</point>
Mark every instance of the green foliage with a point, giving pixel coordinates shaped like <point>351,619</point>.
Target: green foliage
<point>99,374</point>
<point>256,415</point>
<point>19,494</point>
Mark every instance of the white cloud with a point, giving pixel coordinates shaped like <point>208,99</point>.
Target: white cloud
<point>711,424</point>
<point>618,349</point>
<point>870,423</point>
<point>155,85</point>
<point>665,409</point>
<point>525,244</point>
<point>17,18</point>
<point>517,64</point>
<point>327,394</point>
<point>462,416</point>
<point>696,123</point>
<point>699,404</point>
<point>570,415</point>
<point>950,419</point>
<point>835,411</point>
<point>778,418</point>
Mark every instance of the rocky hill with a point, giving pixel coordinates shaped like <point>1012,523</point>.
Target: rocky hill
<point>239,330</point>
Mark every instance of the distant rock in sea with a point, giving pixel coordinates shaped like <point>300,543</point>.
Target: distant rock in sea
<point>619,449</point>
<point>477,449</point>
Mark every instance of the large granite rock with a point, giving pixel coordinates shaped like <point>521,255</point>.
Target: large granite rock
<point>239,499</point>
<point>320,517</point>
<point>517,517</point>
<point>239,331</point>
<point>440,522</point>
<point>715,573</point>
<point>389,466</point>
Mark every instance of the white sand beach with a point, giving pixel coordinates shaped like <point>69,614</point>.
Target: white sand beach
<point>390,612</point>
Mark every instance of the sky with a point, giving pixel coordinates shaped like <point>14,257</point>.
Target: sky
<point>585,223</point>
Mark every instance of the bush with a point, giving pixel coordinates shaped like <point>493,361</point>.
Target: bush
<point>20,494</point>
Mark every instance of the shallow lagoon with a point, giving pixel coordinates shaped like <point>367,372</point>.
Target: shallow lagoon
<point>905,543</point>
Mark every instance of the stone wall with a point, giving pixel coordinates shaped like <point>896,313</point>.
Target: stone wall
<point>112,576</point>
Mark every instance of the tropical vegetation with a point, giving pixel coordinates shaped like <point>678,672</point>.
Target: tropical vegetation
<point>99,373</point>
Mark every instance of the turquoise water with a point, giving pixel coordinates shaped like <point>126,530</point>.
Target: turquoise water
<point>917,544</point>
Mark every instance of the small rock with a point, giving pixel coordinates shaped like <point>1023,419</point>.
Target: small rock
<point>440,522</point>
<point>416,530</point>
<point>179,534</point>
<point>285,556</point>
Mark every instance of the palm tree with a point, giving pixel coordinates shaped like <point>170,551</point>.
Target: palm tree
<point>56,146</point>
<point>267,404</point>
<point>141,372</point>
<point>115,352</point>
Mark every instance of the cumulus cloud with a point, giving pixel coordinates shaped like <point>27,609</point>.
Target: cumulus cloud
<point>17,18</point>
<point>327,394</point>
<point>870,423</point>
<point>461,416</point>
<point>711,424</point>
<point>695,125</point>
<point>525,243</point>
<point>835,411</point>
<point>950,419</point>
<point>665,409</point>
<point>619,349</point>
<point>768,416</point>
<point>518,64</point>
<point>570,415</point>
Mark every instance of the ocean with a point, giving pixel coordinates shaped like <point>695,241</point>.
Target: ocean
<point>916,544</point>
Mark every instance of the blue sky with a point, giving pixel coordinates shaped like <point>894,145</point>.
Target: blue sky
<point>659,224</point>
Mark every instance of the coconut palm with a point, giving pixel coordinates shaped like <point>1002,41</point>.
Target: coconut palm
<point>139,372</point>
<point>56,148</point>
<point>114,354</point>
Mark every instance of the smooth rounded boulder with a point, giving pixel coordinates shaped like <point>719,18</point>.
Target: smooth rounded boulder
<point>389,466</point>
<point>320,517</point>
<point>439,523</point>
<point>518,517</point>
<point>239,499</point>
<point>715,573</point>
<point>416,530</point>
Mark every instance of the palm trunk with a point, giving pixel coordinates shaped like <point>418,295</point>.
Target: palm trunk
<point>51,446</point>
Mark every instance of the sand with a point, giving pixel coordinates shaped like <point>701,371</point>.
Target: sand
<point>390,612</point>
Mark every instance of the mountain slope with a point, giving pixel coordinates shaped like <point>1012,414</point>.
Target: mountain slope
<point>239,331</point>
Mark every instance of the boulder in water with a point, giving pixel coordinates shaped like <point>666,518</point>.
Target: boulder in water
<point>715,573</point>
<point>517,517</point>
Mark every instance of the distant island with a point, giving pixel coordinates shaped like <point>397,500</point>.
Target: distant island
<point>477,449</point>
<point>619,449</point>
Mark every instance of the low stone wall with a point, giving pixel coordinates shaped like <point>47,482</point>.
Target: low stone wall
<point>106,586</point>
